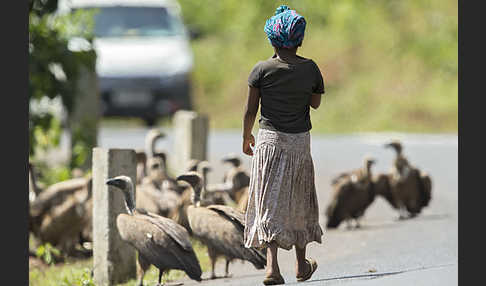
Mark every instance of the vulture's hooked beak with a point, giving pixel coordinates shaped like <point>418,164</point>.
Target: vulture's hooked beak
<point>182,178</point>
<point>116,183</point>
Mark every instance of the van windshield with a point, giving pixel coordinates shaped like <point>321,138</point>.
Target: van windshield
<point>135,21</point>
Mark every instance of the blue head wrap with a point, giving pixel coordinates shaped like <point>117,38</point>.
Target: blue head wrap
<point>286,28</point>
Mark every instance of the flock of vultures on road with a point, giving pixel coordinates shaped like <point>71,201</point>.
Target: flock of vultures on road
<point>167,211</point>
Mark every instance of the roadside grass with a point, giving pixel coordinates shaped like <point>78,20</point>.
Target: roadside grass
<point>384,96</point>
<point>70,273</point>
<point>78,272</point>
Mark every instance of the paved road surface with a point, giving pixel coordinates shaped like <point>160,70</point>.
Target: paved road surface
<point>422,251</point>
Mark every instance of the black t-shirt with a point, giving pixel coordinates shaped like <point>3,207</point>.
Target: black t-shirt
<point>285,93</point>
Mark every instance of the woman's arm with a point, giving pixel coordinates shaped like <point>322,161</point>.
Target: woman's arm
<point>315,101</point>
<point>251,110</point>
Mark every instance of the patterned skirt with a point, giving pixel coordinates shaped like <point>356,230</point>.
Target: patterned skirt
<point>282,204</point>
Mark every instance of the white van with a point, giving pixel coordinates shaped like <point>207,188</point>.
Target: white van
<point>144,59</point>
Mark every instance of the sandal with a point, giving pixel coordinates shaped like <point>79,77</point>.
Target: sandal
<point>313,266</point>
<point>273,280</point>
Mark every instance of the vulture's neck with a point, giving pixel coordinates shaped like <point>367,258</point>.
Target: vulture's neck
<point>196,195</point>
<point>129,199</point>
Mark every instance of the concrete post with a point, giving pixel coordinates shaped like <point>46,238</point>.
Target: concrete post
<point>190,138</point>
<point>114,260</point>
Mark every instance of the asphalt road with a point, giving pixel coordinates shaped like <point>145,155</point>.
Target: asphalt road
<point>384,251</point>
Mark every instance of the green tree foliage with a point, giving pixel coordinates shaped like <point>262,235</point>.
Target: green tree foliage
<point>54,69</point>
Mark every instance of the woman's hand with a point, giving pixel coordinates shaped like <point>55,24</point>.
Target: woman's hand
<point>247,142</point>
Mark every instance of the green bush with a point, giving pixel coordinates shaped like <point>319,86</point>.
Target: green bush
<point>54,71</point>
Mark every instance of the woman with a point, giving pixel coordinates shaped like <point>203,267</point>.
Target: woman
<point>282,208</point>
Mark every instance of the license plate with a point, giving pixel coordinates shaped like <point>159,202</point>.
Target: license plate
<point>131,98</point>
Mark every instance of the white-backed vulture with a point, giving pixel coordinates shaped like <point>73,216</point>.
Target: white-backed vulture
<point>411,188</point>
<point>157,193</point>
<point>362,173</point>
<point>236,179</point>
<point>151,139</point>
<point>382,187</point>
<point>352,193</point>
<point>168,182</point>
<point>58,214</point>
<point>180,215</point>
<point>220,228</point>
<point>148,152</point>
<point>210,194</point>
<point>209,197</point>
<point>156,164</point>
<point>159,241</point>
<point>163,202</point>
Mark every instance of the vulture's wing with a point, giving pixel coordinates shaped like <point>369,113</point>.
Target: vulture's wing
<point>177,232</point>
<point>382,185</point>
<point>336,179</point>
<point>341,196</point>
<point>230,213</point>
<point>255,256</point>
<point>161,241</point>
<point>55,194</point>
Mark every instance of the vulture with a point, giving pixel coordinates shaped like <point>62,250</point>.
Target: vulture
<point>382,187</point>
<point>352,193</point>
<point>220,228</point>
<point>210,193</point>
<point>411,188</point>
<point>362,173</point>
<point>156,164</point>
<point>159,241</point>
<point>236,180</point>
<point>58,214</point>
<point>157,193</point>
<point>168,182</point>
<point>150,141</point>
<point>147,152</point>
<point>209,197</point>
<point>180,216</point>
<point>163,202</point>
